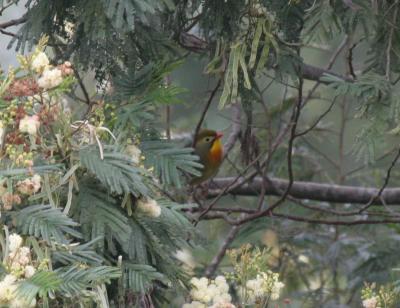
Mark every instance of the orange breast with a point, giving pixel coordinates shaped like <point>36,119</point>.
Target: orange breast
<point>216,152</point>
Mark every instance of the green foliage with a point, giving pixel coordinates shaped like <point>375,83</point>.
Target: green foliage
<point>76,281</point>
<point>167,160</point>
<point>323,23</point>
<point>94,221</point>
<point>259,38</point>
<point>70,281</point>
<point>139,277</point>
<point>139,90</point>
<point>143,80</point>
<point>115,170</point>
<point>40,284</point>
<point>374,94</point>
<point>47,223</point>
<point>368,88</point>
<point>144,242</point>
<point>99,215</point>
<point>78,253</point>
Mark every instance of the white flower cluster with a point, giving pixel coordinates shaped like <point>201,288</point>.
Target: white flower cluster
<point>29,124</point>
<point>149,207</point>
<point>185,256</point>
<point>40,62</point>
<point>29,186</point>
<point>134,152</point>
<point>50,78</point>
<point>371,302</point>
<point>18,260</point>
<point>19,257</point>
<point>266,283</point>
<point>209,293</point>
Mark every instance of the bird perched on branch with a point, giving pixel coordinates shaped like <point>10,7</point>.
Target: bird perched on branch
<point>209,148</point>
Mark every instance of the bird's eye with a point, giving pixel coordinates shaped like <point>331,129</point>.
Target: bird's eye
<point>208,139</point>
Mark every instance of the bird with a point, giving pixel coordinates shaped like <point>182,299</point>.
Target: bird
<point>209,148</point>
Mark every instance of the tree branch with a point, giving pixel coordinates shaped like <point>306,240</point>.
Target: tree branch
<point>13,22</point>
<point>316,73</point>
<point>308,190</point>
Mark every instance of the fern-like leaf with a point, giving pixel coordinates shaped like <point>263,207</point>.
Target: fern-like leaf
<point>76,280</point>
<point>139,277</point>
<point>40,284</point>
<point>167,160</point>
<point>47,223</point>
<point>100,214</point>
<point>116,171</point>
<point>83,253</point>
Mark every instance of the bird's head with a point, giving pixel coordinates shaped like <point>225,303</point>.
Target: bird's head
<point>209,147</point>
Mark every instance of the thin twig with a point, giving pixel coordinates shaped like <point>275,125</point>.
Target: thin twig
<point>318,119</point>
<point>212,267</point>
<point>389,47</point>
<point>8,33</point>
<point>168,111</point>
<point>83,88</point>
<point>387,178</point>
<point>14,22</point>
<point>203,114</point>
<point>331,61</point>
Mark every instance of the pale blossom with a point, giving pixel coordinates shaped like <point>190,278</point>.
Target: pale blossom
<point>20,257</point>
<point>29,124</point>
<point>8,294</point>
<point>16,268</point>
<point>222,298</point>
<point>69,28</point>
<point>223,304</point>
<point>194,304</point>
<point>29,271</point>
<point>200,294</point>
<point>24,255</point>
<point>220,280</point>
<point>276,290</point>
<point>50,78</point>
<point>15,242</point>
<point>185,257</point>
<point>214,292</point>
<point>7,288</point>
<point>66,68</point>
<point>199,283</point>
<point>8,200</point>
<point>30,186</point>
<point>255,286</point>
<point>223,288</point>
<point>40,61</point>
<point>134,152</point>
<point>21,303</point>
<point>150,207</point>
<point>304,259</point>
<point>370,302</point>
<point>265,283</point>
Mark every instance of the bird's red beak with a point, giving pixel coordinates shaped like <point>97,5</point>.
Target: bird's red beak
<point>219,135</point>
